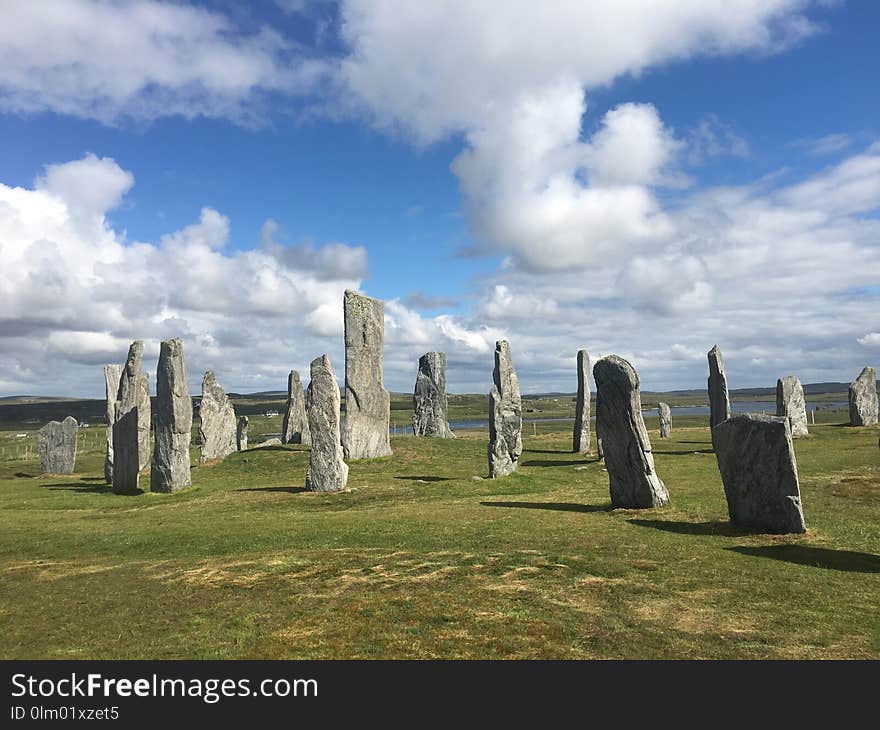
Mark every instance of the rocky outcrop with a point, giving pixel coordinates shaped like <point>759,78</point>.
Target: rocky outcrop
<point>217,424</point>
<point>112,374</point>
<point>634,483</point>
<point>56,446</point>
<point>170,470</point>
<point>758,468</point>
<point>365,431</point>
<point>295,425</point>
<point>505,415</point>
<point>430,406</point>
<point>790,404</point>
<point>581,435</point>
<point>863,399</point>
<point>327,470</point>
<point>665,414</point>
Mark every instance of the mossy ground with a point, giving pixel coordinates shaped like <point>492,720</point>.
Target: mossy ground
<point>422,560</point>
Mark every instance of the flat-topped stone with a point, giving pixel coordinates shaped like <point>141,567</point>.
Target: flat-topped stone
<point>791,404</point>
<point>56,446</point>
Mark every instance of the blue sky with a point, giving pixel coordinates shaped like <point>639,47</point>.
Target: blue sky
<point>610,180</point>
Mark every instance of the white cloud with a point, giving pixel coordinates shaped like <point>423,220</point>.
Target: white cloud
<point>872,339</point>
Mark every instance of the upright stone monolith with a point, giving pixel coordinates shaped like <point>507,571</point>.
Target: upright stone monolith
<point>241,433</point>
<point>430,404</point>
<point>367,404</point>
<point>112,374</point>
<point>134,392</point>
<point>863,399</point>
<point>790,404</point>
<point>56,446</point>
<point>295,425</point>
<point>758,468</point>
<point>719,398</point>
<point>600,446</point>
<point>505,415</point>
<point>171,465</point>
<point>581,436</point>
<point>665,414</point>
<point>126,461</point>
<point>633,481</point>
<point>327,470</point>
<point>217,424</point>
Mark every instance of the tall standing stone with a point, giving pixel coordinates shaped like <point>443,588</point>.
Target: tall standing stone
<point>56,446</point>
<point>126,461</point>
<point>241,434</point>
<point>134,392</point>
<point>581,436</point>
<point>600,444</point>
<point>112,374</point>
<point>170,468</point>
<point>295,425</point>
<point>367,403</point>
<point>719,398</point>
<point>863,398</point>
<point>430,405</point>
<point>327,470</point>
<point>505,415</point>
<point>217,424</point>
<point>758,468</point>
<point>790,404</point>
<point>665,414</point>
<point>633,481</point>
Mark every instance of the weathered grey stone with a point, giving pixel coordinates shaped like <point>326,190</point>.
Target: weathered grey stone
<point>600,446</point>
<point>171,466</point>
<point>581,436</point>
<point>327,470</point>
<point>367,403</point>
<point>665,414</point>
<point>758,468</point>
<point>217,424</point>
<point>241,434</point>
<point>295,425</point>
<point>56,446</point>
<point>790,404</point>
<point>863,398</point>
<point>274,441</point>
<point>134,392</point>
<point>719,399</point>
<point>430,405</point>
<point>505,415</point>
<point>112,374</point>
<point>633,481</point>
<point>126,463</point>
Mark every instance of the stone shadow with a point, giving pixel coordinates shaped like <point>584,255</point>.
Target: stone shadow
<point>713,527</point>
<point>556,506</point>
<point>424,478</point>
<point>548,451</point>
<point>684,453</point>
<point>90,488</point>
<point>548,462</point>
<point>288,490</point>
<point>848,561</point>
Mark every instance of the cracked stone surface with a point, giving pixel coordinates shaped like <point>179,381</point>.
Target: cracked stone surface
<point>170,470</point>
<point>790,404</point>
<point>295,425</point>
<point>505,415</point>
<point>581,435</point>
<point>56,446</point>
<point>327,470</point>
<point>430,405</point>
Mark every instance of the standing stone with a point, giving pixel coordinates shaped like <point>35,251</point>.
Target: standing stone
<point>56,446</point>
<point>367,403</point>
<point>634,483</point>
<point>863,399</point>
<point>112,374</point>
<point>327,470</point>
<point>170,468</point>
<point>505,415</point>
<point>126,471</point>
<point>430,405</point>
<point>295,426</point>
<point>600,445</point>
<point>134,392</point>
<point>790,404</point>
<point>665,414</point>
<point>241,434</point>
<point>581,439</point>
<point>217,425</point>
<point>758,468</point>
<point>719,399</point>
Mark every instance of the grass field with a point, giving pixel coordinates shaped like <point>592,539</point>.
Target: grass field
<point>422,559</point>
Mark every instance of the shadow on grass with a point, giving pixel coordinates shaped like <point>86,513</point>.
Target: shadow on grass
<point>90,488</point>
<point>23,475</point>
<point>844,560</point>
<point>93,479</point>
<point>548,451</point>
<point>556,506</point>
<point>424,478</point>
<point>684,453</point>
<point>548,462</point>
<point>270,447</point>
<point>714,527</point>
<point>289,490</point>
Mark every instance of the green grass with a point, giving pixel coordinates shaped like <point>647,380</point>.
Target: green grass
<point>422,560</point>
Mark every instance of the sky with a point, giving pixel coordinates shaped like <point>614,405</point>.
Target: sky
<point>640,178</point>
